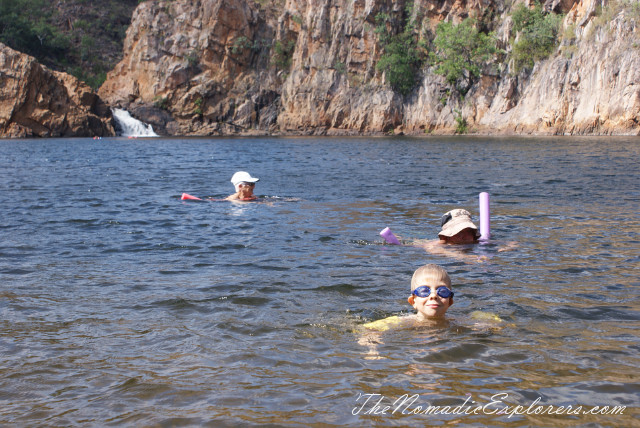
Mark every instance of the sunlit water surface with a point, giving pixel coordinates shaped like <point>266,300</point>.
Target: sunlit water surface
<point>123,305</point>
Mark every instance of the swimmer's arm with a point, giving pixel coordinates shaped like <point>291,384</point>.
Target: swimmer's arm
<point>439,248</point>
<point>235,197</point>
<point>371,334</point>
<point>421,242</point>
<point>370,339</point>
<point>512,245</point>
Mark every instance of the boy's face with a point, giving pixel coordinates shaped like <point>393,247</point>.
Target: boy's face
<point>433,306</point>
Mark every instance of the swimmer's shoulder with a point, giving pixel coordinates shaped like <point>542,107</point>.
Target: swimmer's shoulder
<point>488,320</point>
<point>390,322</point>
<point>485,316</point>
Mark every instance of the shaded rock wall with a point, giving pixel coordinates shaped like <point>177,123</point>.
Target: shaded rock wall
<point>205,63</point>
<point>38,102</point>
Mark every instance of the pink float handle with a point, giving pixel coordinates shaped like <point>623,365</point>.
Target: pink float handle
<point>189,197</point>
<point>485,216</point>
<point>389,236</point>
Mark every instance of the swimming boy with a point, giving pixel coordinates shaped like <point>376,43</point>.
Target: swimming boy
<point>431,296</point>
<point>431,293</point>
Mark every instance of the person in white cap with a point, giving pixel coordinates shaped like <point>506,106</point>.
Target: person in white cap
<point>244,184</point>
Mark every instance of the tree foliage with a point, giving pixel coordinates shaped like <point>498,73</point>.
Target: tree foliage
<point>24,27</point>
<point>460,52</point>
<point>283,54</point>
<point>401,62</point>
<point>402,56</point>
<point>81,37</point>
<point>537,38</point>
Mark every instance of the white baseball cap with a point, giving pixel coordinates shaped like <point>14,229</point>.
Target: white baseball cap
<point>243,177</point>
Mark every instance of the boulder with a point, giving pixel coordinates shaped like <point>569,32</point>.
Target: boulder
<point>38,102</point>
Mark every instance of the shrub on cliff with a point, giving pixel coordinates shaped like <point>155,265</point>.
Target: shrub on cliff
<point>605,14</point>
<point>537,35</point>
<point>283,53</point>
<point>460,51</point>
<point>400,62</point>
<point>402,56</point>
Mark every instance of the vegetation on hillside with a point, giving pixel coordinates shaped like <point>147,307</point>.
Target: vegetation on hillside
<point>80,37</point>
<point>537,35</point>
<point>459,52</point>
<point>25,25</point>
<point>84,38</point>
<point>402,53</point>
<point>605,14</point>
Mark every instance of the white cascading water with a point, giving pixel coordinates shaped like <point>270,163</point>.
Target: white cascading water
<point>131,127</point>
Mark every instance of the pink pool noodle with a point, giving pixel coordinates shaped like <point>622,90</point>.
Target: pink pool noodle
<point>389,236</point>
<point>186,196</point>
<point>485,215</point>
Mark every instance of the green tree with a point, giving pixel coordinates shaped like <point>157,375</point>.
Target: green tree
<point>24,27</point>
<point>401,62</point>
<point>283,54</point>
<point>81,37</point>
<point>402,56</point>
<point>460,51</point>
<point>538,35</point>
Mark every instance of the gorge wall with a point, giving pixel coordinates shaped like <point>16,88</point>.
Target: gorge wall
<point>300,67</point>
<point>38,102</point>
<point>308,67</point>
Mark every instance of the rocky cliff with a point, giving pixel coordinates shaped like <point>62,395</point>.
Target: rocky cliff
<point>593,88</point>
<point>38,102</point>
<point>309,66</point>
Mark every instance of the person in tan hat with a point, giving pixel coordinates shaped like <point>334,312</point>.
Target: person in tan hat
<point>457,228</point>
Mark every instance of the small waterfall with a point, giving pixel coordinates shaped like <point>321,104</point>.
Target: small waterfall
<point>127,126</point>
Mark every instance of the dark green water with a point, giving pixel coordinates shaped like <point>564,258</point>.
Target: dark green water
<point>123,305</point>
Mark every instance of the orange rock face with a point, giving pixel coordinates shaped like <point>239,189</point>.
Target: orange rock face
<point>38,102</point>
<point>309,67</point>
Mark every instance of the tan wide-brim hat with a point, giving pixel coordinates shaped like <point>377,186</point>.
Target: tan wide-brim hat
<point>455,221</point>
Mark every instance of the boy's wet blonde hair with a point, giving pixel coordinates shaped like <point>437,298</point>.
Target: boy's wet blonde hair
<point>430,275</point>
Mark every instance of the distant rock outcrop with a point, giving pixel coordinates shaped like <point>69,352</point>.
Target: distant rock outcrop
<point>38,102</point>
<point>205,63</point>
<point>309,67</point>
<point>592,90</point>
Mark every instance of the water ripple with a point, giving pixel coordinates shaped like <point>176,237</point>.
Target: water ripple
<point>123,305</point>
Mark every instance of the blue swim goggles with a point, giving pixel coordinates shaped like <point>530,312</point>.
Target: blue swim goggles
<point>425,291</point>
